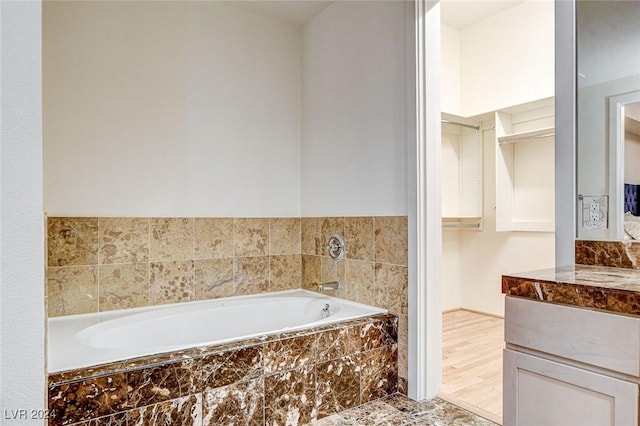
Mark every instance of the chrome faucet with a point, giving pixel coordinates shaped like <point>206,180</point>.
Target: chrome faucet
<point>329,285</point>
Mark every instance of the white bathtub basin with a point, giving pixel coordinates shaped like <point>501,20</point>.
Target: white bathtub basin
<point>79,341</point>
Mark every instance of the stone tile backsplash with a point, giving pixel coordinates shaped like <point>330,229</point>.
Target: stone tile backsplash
<point>100,264</point>
<point>104,263</point>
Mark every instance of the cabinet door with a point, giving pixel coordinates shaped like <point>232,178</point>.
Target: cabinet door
<point>539,392</point>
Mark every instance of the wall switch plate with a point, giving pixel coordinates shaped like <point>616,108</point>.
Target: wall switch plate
<point>594,212</point>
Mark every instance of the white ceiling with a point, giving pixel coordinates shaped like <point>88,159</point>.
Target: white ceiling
<point>462,13</point>
<point>293,11</point>
<point>455,13</point>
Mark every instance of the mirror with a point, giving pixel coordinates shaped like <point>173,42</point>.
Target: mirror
<point>608,122</point>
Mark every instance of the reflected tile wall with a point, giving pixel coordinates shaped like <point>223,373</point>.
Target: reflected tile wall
<point>619,254</point>
<point>286,379</point>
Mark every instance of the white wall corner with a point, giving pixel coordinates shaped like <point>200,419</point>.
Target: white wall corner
<point>22,316</point>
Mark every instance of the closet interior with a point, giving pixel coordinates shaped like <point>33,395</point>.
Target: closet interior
<point>497,136</point>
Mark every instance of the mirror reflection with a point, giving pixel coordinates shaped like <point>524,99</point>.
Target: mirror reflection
<point>631,157</point>
<point>608,41</point>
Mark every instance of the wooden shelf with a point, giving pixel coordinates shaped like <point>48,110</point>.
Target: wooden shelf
<point>527,136</point>
<point>524,171</point>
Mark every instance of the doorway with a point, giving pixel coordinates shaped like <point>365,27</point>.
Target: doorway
<point>486,62</point>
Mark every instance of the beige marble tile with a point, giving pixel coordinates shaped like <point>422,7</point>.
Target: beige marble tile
<point>213,278</point>
<point>171,282</point>
<point>331,270</point>
<point>72,290</point>
<point>213,238</point>
<point>251,275</point>
<point>403,329</point>
<point>403,361</point>
<point>250,237</point>
<point>392,284</point>
<point>359,283</point>
<point>358,238</point>
<point>285,272</point>
<point>171,239</point>
<point>124,286</point>
<point>284,236</point>
<point>311,235</point>
<point>72,241</point>
<point>310,272</point>
<point>391,239</point>
<point>123,240</point>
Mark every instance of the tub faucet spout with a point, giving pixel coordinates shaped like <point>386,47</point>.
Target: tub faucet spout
<point>329,285</point>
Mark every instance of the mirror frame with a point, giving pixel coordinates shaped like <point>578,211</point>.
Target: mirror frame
<point>566,128</point>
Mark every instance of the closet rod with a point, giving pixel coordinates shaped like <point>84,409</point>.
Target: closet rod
<point>461,225</point>
<point>460,124</point>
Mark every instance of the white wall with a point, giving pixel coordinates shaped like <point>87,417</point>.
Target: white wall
<point>505,60</point>
<point>22,319</point>
<point>450,70</point>
<point>451,270</point>
<point>354,111</point>
<point>170,109</point>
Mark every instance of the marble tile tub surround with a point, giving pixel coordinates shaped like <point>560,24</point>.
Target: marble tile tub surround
<point>291,379</point>
<point>374,271</point>
<point>597,287</point>
<point>105,263</point>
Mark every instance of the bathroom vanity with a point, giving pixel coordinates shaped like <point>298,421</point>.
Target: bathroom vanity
<point>572,353</point>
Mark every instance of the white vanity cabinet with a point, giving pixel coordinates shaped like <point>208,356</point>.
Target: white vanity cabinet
<point>569,366</point>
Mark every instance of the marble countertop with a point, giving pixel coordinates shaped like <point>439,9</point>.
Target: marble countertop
<point>597,287</point>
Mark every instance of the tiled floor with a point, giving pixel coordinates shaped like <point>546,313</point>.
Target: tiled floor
<point>398,410</point>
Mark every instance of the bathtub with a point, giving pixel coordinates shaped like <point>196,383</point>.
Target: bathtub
<point>85,340</point>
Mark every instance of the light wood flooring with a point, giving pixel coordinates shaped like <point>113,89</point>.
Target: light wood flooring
<point>472,362</point>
